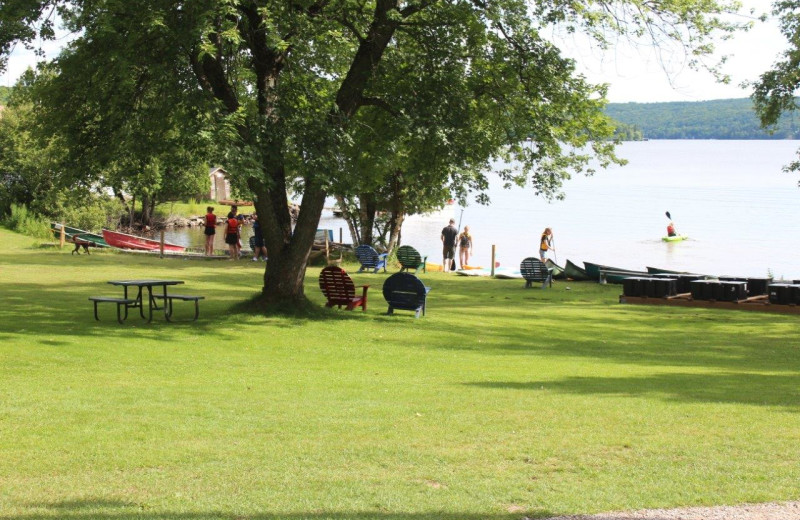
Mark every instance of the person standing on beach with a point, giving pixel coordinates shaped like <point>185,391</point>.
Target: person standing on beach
<point>464,247</point>
<point>258,241</point>
<point>210,230</point>
<point>546,244</point>
<point>232,233</point>
<point>449,235</point>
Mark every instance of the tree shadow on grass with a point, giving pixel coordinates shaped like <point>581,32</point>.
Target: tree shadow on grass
<point>106,509</point>
<point>749,389</point>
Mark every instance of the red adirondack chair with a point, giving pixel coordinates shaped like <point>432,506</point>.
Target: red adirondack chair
<point>338,288</point>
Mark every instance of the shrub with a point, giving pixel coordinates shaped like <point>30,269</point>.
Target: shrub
<point>26,222</point>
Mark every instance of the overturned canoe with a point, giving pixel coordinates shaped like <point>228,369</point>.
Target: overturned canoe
<point>78,235</point>
<point>125,241</point>
<point>573,272</point>
<point>557,270</point>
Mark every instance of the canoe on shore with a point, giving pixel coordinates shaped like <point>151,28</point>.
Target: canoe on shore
<point>618,277</point>
<point>658,270</point>
<point>573,272</point>
<point>76,235</point>
<point>558,271</point>
<point>593,270</point>
<point>126,241</point>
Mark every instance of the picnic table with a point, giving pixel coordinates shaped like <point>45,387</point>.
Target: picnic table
<point>152,302</point>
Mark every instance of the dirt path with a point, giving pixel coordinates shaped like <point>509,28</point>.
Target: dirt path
<point>771,511</point>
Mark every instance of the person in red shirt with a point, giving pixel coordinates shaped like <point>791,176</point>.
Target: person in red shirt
<point>211,230</point>
<point>232,233</point>
<point>671,230</point>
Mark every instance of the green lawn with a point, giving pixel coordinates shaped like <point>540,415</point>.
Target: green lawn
<point>501,403</point>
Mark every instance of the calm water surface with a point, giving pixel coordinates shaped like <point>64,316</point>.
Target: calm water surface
<point>730,197</point>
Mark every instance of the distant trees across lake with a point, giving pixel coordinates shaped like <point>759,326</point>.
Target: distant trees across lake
<point>717,119</point>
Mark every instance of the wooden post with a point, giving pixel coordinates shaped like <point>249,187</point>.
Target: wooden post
<point>341,240</point>
<point>494,254</point>
<point>341,244</point>
<point>161,244</point>
<point>327,248</point>
<point>63,236</point>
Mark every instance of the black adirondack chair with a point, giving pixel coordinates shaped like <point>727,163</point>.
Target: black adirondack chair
<point>533,270</point>
<point>407,292</point>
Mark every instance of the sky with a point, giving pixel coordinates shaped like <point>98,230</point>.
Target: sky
<point>634,74</point>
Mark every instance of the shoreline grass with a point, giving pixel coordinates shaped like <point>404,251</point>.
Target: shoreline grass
<point>501,403</point>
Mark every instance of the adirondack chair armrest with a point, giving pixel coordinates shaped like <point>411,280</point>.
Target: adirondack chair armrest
<point>427,289</point>
<point>364,291</point>
<point>382,256</point>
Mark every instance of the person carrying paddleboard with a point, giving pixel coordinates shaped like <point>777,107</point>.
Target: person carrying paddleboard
<point>546,244</point>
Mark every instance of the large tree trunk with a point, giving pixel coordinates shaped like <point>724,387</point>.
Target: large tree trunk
<point>367,208</point>
<point>148,205</point>
<point>288,251</point>
<point>396,219</point>
<point>397,210</point>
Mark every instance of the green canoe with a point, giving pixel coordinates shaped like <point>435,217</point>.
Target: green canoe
<point>573,272</point>
<point>71,233</point>
<point>676,238</point>
<point>558,271</point>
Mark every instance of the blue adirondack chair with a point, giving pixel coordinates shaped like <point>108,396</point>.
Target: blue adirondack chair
<point>533,270</point>
<point>370,259</point>
<point>405,291</point>
<point>410,258</point>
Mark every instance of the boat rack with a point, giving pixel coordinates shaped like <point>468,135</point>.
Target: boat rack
<point>759,303</point>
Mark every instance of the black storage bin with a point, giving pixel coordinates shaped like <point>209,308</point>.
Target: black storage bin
<point>697,288</point>
<point>707,290</point>
<point>780,293</point>
<point>794,294</point>
<point>664,287</point>
<point>758,286</point>
<point>733,291</point>
<point>684,284</point>
<point>633,286</point>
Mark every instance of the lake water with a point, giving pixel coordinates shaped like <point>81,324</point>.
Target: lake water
<point>731,197</point>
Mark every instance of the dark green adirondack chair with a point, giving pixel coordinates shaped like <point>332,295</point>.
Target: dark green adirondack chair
<point>410,258</point>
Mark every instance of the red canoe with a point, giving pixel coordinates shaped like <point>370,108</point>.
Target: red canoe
<point>125,241</point>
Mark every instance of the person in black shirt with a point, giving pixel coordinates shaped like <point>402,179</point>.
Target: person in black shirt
<point>449,235</point>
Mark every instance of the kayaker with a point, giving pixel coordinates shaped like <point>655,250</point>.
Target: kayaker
<point>464,247</point>
<point>211,230</point>
<point>671,230</point>
<point>546,244</point>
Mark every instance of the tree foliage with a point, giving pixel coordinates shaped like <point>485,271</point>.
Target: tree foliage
<point>775,92</point>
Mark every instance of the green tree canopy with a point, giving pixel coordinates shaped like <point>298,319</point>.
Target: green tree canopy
<point>775,92</point>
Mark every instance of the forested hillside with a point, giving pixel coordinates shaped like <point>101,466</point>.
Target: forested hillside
<point>717,119</point>
<point>4,92</point>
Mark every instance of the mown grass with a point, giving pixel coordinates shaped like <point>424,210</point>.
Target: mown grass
<point>501,403</point>
<point>198,208</point>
